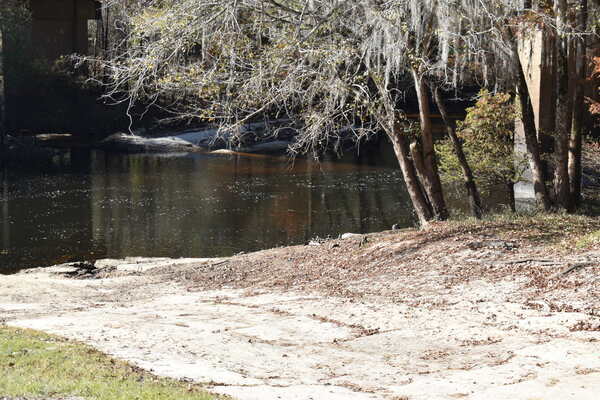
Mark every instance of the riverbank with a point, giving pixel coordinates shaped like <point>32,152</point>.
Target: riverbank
<point>504,309</point>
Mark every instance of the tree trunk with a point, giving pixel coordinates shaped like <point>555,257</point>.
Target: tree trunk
<point>416,153</point>
<point>390,124</point>
<point>470,185</point>
<point>563,109</point>
<point>432,182</point>
<point>531,140</point>
<point>510,187</point>
<point>576,139</point>
<point>401,148</point>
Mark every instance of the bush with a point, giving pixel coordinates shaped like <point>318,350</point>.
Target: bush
<point>487,134</point>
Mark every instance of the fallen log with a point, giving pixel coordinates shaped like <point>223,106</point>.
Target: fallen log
<point>214,138</point>
<point>124,143</point>
<point>199,140</point>
<point>274,146</point>
<point>188,143</point>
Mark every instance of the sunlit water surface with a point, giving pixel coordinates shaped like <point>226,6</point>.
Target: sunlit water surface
<point>108,205</point>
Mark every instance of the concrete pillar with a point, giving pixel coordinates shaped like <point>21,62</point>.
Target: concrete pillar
<point>536,53</point>
<point>537,58</point>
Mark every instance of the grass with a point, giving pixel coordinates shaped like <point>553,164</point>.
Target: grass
<point>35,364</point>
<point>591,240</point>
<point>560,230</point>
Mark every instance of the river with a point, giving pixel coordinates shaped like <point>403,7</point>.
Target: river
<point>106,205</point>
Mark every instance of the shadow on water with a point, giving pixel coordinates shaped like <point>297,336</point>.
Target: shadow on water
<point>96,205</point>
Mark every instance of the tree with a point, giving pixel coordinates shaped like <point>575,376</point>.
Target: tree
<point>234,61</point>
<point>461,158</point>
<point>488,136</point>
<point>493,36</point>
<point>577,126</point>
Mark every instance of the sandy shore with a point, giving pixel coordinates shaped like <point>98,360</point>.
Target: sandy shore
<point>436,314</point>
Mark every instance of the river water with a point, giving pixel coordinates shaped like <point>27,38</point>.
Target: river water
<point>107,205</point>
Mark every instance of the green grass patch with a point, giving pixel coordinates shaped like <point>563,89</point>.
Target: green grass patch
<point>40,365</point>
<point>591,240</point>
<point>555,229</point>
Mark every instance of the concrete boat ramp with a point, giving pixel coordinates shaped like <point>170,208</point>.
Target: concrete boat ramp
<point>468,342</point>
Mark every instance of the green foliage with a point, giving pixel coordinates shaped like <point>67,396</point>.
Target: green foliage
<point>487,134</point>
<point>591,240</point>
<point>13,14</point>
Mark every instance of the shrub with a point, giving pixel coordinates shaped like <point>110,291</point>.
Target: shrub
<point>487,134</point>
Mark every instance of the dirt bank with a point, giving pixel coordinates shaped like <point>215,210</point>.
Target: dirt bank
<point>499,310</point>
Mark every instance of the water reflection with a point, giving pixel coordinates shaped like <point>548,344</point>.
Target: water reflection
<point>5,244</point>
<point>190,206</point>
